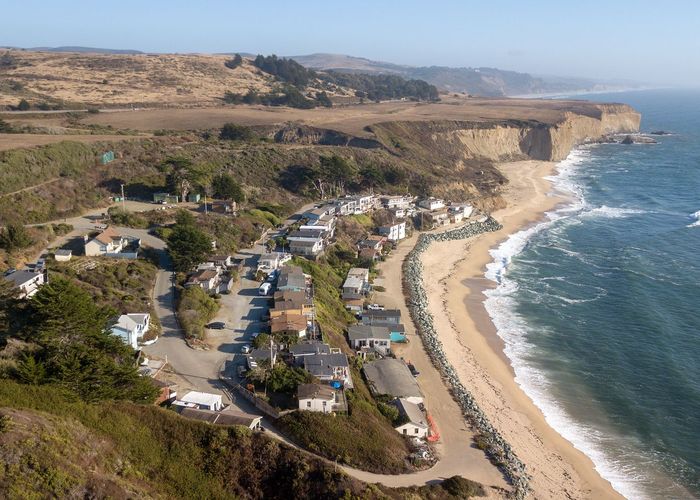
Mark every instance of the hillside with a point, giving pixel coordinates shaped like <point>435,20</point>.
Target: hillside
<point>54,80</point>
<point>103,79</point>
<point>53,446</point>
<point>477,81</point>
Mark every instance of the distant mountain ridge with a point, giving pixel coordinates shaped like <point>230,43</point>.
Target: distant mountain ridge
<point>478,81</point>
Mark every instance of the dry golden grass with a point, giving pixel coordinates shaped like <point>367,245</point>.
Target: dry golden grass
<point>118,79</point>
<point>350,119</point>
<point>14,141</point>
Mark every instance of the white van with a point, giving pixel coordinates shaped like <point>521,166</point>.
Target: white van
<point>265,289</point>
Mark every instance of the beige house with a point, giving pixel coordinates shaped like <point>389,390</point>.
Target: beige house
<point>107,242</point>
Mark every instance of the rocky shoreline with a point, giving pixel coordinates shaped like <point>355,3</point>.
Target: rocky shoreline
<point>495,446</point>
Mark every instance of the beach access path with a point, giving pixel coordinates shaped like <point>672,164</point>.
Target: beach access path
<point>454,281</point>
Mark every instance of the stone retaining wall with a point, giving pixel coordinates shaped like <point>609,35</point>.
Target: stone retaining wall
<point>496,447</point>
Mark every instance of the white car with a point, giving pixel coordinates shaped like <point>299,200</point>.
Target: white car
<point>246,349</point>
<point>375,307</point>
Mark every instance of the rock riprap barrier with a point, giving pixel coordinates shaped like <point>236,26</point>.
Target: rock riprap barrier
<point>495,446</point>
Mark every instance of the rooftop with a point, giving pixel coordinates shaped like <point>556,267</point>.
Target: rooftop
<point>201,398</point>
<point>220,417</point>
<point>412,412</point>
<point>391,376</point>
<point>359,332</point>
<point>315,391</point>
<point>323,364</point>
<point>287,321</point>
<point>304,348</point>
<point>21,277</point>
<point>380,314</point>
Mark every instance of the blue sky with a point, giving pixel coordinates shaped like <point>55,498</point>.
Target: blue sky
<point>653,41</point>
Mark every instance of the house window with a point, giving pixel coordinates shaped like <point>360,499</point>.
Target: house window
<point>308,404</point>
<point>405,431</point>
<point>416,430</point>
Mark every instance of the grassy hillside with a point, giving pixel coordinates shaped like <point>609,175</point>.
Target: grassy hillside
<point>52,445</point>
<point>79,79</point>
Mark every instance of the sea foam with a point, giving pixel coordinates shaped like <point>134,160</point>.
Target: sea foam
<point>696,216</point>
<point>501,306</point>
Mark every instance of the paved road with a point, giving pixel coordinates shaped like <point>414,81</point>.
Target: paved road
<point>242,310</point>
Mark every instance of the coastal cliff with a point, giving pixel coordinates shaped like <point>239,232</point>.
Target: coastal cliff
<point>507,140</point>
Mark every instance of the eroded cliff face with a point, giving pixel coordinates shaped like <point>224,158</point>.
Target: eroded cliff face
<point>508,140</point>
<point>457,159</point>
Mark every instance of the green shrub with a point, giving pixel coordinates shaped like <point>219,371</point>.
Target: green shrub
<point>195,309</point>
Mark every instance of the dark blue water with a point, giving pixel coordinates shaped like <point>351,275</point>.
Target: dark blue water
<point>600,305</point>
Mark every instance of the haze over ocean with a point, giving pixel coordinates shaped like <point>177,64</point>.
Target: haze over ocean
<point>599,308</point>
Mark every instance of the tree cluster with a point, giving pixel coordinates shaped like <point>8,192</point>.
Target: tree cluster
<point>226,188</point>
<point>234,132</point>
<point>14,237</point>
<point>235,62</point>
<point>287,70</point>
<point>383,87</point>
<point>335,175</point>
<point>285,95</point>
<point>188,245</point>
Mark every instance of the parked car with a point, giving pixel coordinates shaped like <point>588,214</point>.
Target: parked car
<point>265,289</point>
<point>375,307</point>
<point>414,372</point>
<point>246,349</point>
<point>216,325</point>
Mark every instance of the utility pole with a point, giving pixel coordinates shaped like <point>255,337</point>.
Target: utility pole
<point>205,203</point>
<point>123,199</point>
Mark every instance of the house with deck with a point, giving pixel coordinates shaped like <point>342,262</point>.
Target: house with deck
<point>109,243</point>
<point>302,349</point>
<point>367,337</point>
<point>329,368</point>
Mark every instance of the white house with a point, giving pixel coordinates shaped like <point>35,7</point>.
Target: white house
<point>393,232</point>
<point>316,397</point>
<point>416,422</point>
<point>108,243</point>
<point>460,212</point>
<point>306,248</point>
<point>202,401</point>
<point>392,202</point>
<point>269,262</point>
<point>432,204</point>
<point>26,282</point>
<point>131,327</point>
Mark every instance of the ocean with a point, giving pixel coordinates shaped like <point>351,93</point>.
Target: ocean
<point>599,304</point>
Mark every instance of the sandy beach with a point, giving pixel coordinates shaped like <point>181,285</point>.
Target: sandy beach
<point>455,289</point>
